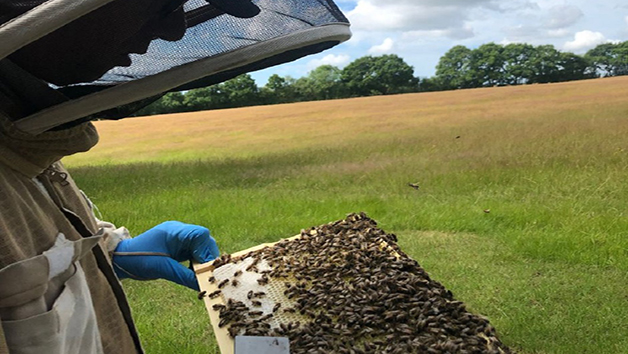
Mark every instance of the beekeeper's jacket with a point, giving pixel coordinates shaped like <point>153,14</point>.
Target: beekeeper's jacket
<point>58,292</point>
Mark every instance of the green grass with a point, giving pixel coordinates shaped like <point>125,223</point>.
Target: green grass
<point>548,265</point>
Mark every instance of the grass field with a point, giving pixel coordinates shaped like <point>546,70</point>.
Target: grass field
<point>548,265</point>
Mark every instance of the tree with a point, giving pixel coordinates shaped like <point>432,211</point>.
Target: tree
<point>621,58</point>
<point>205,98</point>
<point>276,83</point>
<point>486,66</point>
<point>276,90</point>
<point>241,91</point>
<point>544,64</point>
<point>517,67</point>
<point>609,59</point>
<point>601,58</point>
<point>454,68</point>
<point>430,84</point>
<point>514,64</point>
<point>303,89</point>
<point>574,67</point>
<point>171,102</point>
<point>325,82</point>
<point>383,75</point>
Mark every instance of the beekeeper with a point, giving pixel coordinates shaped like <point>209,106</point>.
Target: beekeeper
<point>66,62</point>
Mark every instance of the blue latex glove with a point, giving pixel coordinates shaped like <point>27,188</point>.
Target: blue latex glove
<point>156,253</point>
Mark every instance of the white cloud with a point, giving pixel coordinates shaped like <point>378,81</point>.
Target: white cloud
<point>563,16</point>
<point>557,33</point>
<point>522,33</point>
<point>383,48</point>
<point>413,15</point>
<point>458,33</point>
<point>340,60</point>
<point>584,41</point>
<point>550,22</point>
<point>369,16</point>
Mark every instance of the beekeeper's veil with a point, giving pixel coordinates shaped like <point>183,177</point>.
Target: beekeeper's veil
<point>215,40</point>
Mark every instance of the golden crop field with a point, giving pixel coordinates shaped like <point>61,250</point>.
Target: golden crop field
<point>522,113</point>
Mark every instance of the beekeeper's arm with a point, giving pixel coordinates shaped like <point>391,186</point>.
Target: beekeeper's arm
<point>156,253</point>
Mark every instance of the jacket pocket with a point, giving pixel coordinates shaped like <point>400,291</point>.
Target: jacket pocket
<point>64,324</point>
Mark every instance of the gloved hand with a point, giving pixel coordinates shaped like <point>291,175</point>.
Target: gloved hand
<point>156,253</point>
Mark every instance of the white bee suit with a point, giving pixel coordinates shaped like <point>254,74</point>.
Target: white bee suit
<point>58,317</point>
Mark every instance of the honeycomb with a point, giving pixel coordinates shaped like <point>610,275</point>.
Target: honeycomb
<point>342,287</point>
<point>247,290</point>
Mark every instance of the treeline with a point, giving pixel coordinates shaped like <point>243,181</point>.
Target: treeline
<point>516,64</point>
<point>488,65</point>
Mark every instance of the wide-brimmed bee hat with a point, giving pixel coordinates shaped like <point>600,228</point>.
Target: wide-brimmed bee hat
<point>120,55</point>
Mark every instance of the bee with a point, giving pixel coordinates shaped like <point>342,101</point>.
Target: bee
<point>289,310</point>
<point>214,294</point>
<point>233,331</point>
<point>201,295</point>
<point>266,317</point>
<point>251,268</point>
<point>256,303</point>
<point>259,294</point>
<point>255,313</point>
<point>277,306</point>
<point>234,283</point>
<point>237,273</point>
<point>223,322</point>
<point>223,283</point>
<point>211,280</point>
<point>218,307</point>
<point>262,281</point>
<point>249,295</point>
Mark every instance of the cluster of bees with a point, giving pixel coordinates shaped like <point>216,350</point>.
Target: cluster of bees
<point>346,287</point>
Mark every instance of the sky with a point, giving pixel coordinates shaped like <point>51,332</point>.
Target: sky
<point>421,31</point>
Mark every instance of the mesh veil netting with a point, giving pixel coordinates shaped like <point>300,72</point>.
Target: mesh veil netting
<point>225,33</point>
<point>213,29</point>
